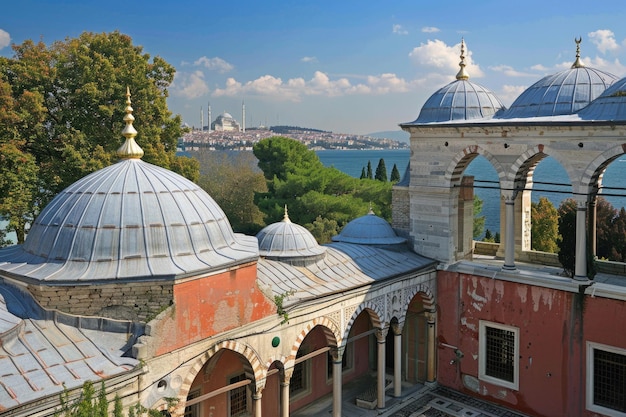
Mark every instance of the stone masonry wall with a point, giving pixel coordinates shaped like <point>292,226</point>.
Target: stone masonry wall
<point>123,301</point>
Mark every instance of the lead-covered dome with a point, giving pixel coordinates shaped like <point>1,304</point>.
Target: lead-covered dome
<point>369,230</point>
<point>288,241</point>
<point>563,93</point>
<point>610,106</point>
<point>129,220</point>
<point>460,100</point>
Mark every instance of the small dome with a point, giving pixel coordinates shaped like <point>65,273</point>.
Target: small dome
<point>460,100</point>
<point>285,240</point>
<point>611,105</point>
<point>563,93</point>
<point>368,230</point>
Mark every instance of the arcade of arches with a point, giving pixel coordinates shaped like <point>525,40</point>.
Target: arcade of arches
<point>439,203</point>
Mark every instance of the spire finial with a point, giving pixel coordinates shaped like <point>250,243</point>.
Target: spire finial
<point>130,149</point>
<point>462,74</point>
<point>578,63</point>
<point>286,216</point>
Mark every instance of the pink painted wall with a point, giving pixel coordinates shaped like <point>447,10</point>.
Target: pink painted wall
<point>554,326</point>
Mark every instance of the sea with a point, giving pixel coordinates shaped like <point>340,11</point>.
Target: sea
<point>549,180</point>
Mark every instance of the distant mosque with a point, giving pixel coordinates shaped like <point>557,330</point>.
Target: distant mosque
<point>225,122</point>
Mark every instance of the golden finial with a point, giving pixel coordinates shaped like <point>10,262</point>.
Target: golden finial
<point>130,149</point>
<point>286,216</point>
<point>578,63</point>
<point>462,74</point>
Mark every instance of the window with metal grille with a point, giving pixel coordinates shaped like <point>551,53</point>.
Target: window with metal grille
<point>192,410</point>
<point>498,359</point>
<point>238,398</point>
<point>297,382</point>
<point>606,385</point>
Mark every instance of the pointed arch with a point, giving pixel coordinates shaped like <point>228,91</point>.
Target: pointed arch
<point>375,311</point>
<point>591,177</point>
<point>255,369</point>
<point>462,159</point>
<point>428,299</point>
<point>330,329</point>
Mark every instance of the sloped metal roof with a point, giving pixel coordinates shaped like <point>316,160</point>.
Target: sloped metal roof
<point>39,353</point>
<point>286,240</point>
<point>345,266</point>
<point>129,220</point>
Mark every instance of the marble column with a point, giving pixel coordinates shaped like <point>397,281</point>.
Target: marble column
<point>509,245</point>
<point>397,359</point>
<point>284,399</point>
<point>431,355</point>
<point>337,399</point>
<point>580,268</point>
<point>380,387</point>
<point>256,404</point>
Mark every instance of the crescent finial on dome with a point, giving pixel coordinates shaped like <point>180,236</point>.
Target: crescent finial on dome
<point>578,63</point>
<point>130,149</point>
<point>462,74</point>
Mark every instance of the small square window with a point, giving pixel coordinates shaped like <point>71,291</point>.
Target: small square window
<point>192,410</point>
<point>606,379</point>
<point>238,402</point>
<point>498,359</point>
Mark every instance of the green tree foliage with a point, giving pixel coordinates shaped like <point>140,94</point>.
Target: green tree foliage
<point>381,171</point>
<point>369,175</point>
<point>314,193</point>
<point>62,106</point>
<point>544,226</point>
<point>567,235</point>
<point>395,174</point>
<point>479,221</point>
<point>232,179</point>
<point>323,229</point>
<point>363,174</point>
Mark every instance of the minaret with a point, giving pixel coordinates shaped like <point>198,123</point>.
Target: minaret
<point>201,120</point>
<point>209,117</point>
<point>243,115</point>
<point>130,149</point>
<point>462,74</point>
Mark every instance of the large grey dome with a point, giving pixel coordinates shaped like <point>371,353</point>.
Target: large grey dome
<point>611,105</point>
<point>131,220</point>
<point>460,100</point>
<point>285,240</point>
<point>368,230</point>
<point>563,93</point>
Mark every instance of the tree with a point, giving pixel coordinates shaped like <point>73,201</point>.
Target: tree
<point>395,174</point>
<point>65,108</point>
<point>369,170</point>
<point>363,175</point>
<point>232,179</point>
<point>567,235</point>
<point>381,171</point>
<point>479,221</point>
<point>544,226</point>
<point>312,192</point>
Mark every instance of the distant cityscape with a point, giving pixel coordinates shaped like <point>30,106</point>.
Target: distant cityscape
<point>245,139</point>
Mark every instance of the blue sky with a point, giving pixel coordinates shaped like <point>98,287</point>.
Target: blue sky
<point>346,66</point>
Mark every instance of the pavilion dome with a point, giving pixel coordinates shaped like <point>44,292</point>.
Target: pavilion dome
<point>369,230</point>
<point>288,241</point>
<point>460,100</point>
<point>563,93</point>
<point>128,220</point>
<point>611,105</point>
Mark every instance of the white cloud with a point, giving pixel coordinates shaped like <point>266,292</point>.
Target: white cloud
<point>214,64</point>
<point>319,85</point>
<point>5,38</point>
<point>399,30</point>
<point>510,71</point>
<point>430,29</point>
<point>189,85</point>
<point>308,59</point>
<point>604,40</point>
<point>436,55</point>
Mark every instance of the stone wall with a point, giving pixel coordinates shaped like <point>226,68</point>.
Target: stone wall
<point>120,300</point>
